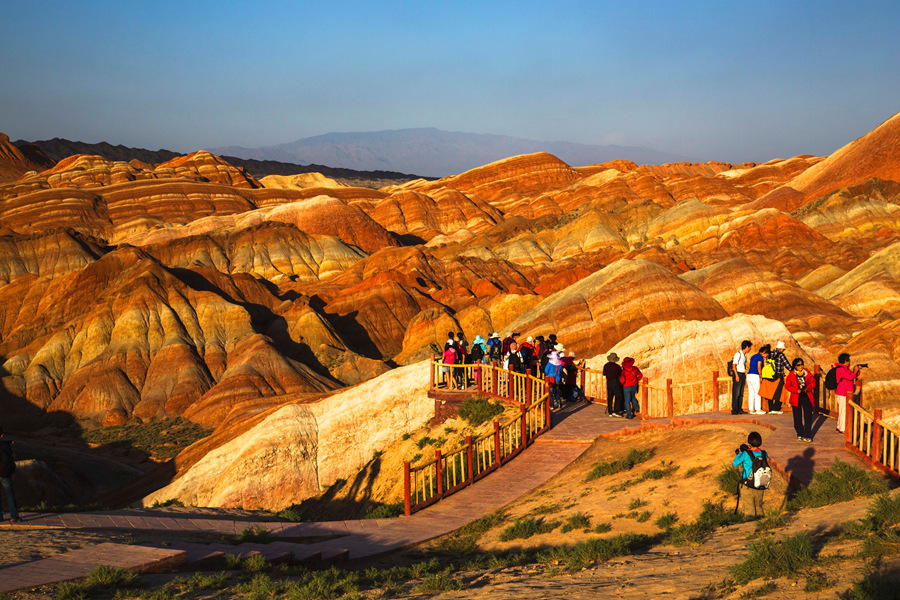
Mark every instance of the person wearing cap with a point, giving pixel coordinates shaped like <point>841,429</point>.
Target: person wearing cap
<point>494,351</point>
<point>615,398</point>
<point>553,373</point>
<point>782,366</point>
<point>526,349</point>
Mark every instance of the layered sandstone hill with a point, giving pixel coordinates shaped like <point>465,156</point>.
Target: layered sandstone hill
<point>133,291</point>
<point>14,163</point>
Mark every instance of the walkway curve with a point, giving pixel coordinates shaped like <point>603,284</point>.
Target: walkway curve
<point>575,428</point>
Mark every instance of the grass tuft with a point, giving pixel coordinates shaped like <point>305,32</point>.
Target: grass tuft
<point>634,457</point>
<point>713,516</point>
<point>576,521</point>
<point>479,409</point>
<point>526,527</point>
<point>667,521</point>
<point>838,483</point>
<point>255,535</point>
<point>769,558</point>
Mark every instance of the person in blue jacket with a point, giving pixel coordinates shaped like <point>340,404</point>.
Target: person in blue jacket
<point>750,499</point>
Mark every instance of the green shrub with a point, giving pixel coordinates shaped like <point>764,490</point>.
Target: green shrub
<point>436,583</point>
<point>255,535</point>
<point>603,528</point>
<point>637,503</point>
<point>729,480</point>
<point>816,581</point>
<point>644,516</point>
<point>667,521</point>
<point>384,511</point>
<point>102,579</point>
<point>597,550</point>
<point>768,558</point>
<point>478,409</point>
<point>626,463</point>
<point>713,516</point>
<point>664,470</point>
<point>526,527</point>
<point>576,521</point>
<point>875,584</point>
<point>838,483</point>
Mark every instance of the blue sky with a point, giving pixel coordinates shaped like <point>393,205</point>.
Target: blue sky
<point>712,80</point>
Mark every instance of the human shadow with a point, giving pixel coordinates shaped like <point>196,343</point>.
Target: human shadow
<point>818,421</point>
<point>801,468</point>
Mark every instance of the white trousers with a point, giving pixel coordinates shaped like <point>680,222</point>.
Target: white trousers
<point>754,401</point>
<point>842,412</point>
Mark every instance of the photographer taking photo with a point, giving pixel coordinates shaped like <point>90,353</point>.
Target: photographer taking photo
<point>846,383</point>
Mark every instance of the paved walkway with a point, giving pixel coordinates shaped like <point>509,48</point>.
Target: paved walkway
<point>576,426</point>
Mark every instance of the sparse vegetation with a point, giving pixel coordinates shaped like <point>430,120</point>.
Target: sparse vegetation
<point>256,535</point>
<point>838,483</point>
<point>713,516</point>
<point>729,480</point>
<point>384,511</point>
<point>102,579</point>
<point>603,528</point>
<point>634,457</point>
<point>637,503</point>
<point>816,581</point>
<point>576,521</point>
<point>436,583</point>
<point>479,409</point>
<point>160,440</point>
<point>526,527</point>
<point>770,558</point>
<point>667,521</point>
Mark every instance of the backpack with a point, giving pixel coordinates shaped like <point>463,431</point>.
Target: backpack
<point>495,353</point>
<point>760,471</point>
<point>477,353</point>
<point>768,370</point>
<point>7,464</point>
<point>831,379</point>
<point>729,368</point>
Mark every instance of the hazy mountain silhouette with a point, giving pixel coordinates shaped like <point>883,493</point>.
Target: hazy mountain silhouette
<point>430,151</point>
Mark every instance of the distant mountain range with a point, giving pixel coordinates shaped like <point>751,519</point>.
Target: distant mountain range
<point>433,152</point>
<point>57,149</point>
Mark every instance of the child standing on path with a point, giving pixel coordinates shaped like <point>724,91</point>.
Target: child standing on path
<point>753,486</point>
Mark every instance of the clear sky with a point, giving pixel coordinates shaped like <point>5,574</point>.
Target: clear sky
<point>730,81</point>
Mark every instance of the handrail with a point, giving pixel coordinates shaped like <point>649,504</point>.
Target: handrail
<point>427,483</point>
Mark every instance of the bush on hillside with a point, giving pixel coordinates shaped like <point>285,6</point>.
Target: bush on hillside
<point>478,409</point>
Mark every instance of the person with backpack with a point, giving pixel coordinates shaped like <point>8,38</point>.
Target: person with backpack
<point>7,468</point>
<point>782,366</point>
<point>495,353</point>
<point>526,349</point>
<point>755,475</point>
<point>630,378</point>
<point>801,384</point>
<point>479,350</point>
<point>738,371</point>
<point>513,360</point>
<point>844,384</point>
<point>754,402</point>
<point>553,374</point>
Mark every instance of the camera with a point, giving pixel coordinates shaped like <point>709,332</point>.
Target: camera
<point>743,448</point>
<point>863,365</point>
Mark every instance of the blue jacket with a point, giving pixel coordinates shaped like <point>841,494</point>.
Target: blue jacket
<point>743,460</point>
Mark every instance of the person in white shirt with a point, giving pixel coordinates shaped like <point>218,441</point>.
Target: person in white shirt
<point>739,377</point>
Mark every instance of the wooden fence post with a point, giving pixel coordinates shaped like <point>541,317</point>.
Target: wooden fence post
<point>407,507</point>
<point>478,378</point>
<point>497,441</point>
<point>528,387</point>
<point>848,423</point>
<point>524,426</point>
<point>817,373</point>
<point>670,399</point>
<point>494,378</point>
<point>584,387</point>
<point>439,473</point>
<point>470,459</point>
<point>715,388</point>
<point>511,385</point>
<point>432,371</point>
<point>548,418</point>
<point>645,400</point>
<point>876,437</point>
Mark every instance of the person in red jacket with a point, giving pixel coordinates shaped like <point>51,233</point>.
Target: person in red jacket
<point>801,384</point>
<point>629,379</point>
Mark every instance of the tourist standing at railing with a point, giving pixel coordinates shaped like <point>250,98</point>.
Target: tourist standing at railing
<point>630,378</point>
<point>509,339</point>
<point>553,373</point>
<point>513,360</point>
<point>801,384</point>
<point>739,378</point>
<point>846,383</point>
<point>546,349</point>
<point>526,350</point>
<point>615,397</point>
<point>462,358</point>
<point>495,352</point>
<point>571,391</point>
<point>754,402</point>
<point>782,366</point>
<point>447,368</point>
<point>479,350</point>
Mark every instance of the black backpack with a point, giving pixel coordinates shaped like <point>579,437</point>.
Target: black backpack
<point>477,353</point>
<point>729,368</point>
<point>831,379</point>
<point>760,471</point>
<point>7,464</point>
<point>495,353</point>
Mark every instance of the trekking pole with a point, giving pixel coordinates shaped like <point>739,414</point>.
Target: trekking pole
<point>738,503</point>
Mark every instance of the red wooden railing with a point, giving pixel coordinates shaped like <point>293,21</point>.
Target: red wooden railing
<point>448,473</point>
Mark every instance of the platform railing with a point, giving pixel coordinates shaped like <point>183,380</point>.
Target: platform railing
<point>872,439</point>
<point>447,473</point>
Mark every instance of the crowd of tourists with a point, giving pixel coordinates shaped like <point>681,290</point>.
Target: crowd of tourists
<point>769,374</point>
<point>539,356</point>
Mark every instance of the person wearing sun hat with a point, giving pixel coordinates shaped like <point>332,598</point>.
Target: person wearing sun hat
<point>615,396</point>
<point>782,367</point>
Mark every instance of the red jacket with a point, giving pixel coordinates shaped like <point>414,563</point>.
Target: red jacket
<point>631,375</point>
<point>792,385</point>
